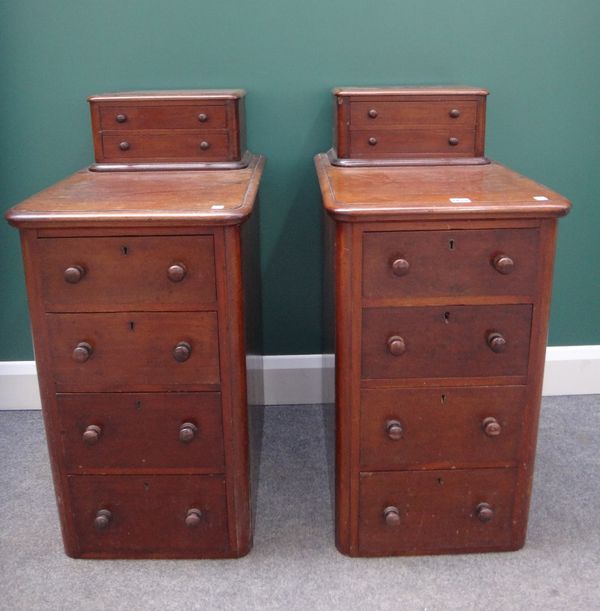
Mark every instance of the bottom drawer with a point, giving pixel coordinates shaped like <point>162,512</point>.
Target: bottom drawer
<point>149,516</point>
<point>441,511</point>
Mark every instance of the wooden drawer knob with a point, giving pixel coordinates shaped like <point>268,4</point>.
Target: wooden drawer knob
<point>204,145</point>
<point>74,273</point>
<point>503,264</point>
<point>373,113</point>
<point>193,518</point>
<point>187,432</point>
<point>496,342</point>
<point>372,141</point>
<point>182,352</point>
<point>393,428</point>
<point>176,272</point>
<point>121,118</point>
<point>484,512</point>
<point>203,117</point>
<point>92,434</point>
<point>396,345</point>
<point>391,516</point>
<point>103,519</point>
<point>452,141</point>
<point>454,113</point>
<point>400,267</point>
<point>491,427</point>
<point>82,352</point>
<point>124,146</point>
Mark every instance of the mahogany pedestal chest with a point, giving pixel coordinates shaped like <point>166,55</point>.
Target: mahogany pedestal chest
<point>139,283</point>
<point>440,277</point>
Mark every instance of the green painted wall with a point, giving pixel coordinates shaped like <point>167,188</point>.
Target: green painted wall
<point>539,58</point>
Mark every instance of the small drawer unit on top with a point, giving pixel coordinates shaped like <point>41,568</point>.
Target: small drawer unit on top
<point>140,286</point>
<point>409,126</point>
<point>440,279</point>
<point>157,129</point>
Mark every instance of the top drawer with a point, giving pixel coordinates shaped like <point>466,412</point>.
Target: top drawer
<point>192,116</point>
<point>127,273</point>
<point>382,113</point>
<point>408,264</point>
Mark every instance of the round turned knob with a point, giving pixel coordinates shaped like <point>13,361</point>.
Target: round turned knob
<point>454,113</point>
<point>92,434</point>
<point>452,141</point>
<point>496,342</point>
<point>121,118</point>
<point>176,272</point>
<point>74,273</point>
<point>103,519</point>
<point>372,141</point>
<point>396,345</point>
<point>491,427</point>
<point>82,352</point>
<point>373,113</point>
<point>182,352</point>
<point>202,117</point>
<point>503,264</point>
<point>392,516</point>
<point>124,146</point>
<point>204,145</point>
<point>187,432</point>
<point>484,512</point>
<point>400,267</point>
<point>393,428</point>
<point>193,518</point>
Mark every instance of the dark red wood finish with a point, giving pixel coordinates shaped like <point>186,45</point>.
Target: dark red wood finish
<point>441,283</point>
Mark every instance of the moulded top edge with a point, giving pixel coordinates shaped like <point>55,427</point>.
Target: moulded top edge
<point>179,94</point>
<point>415,90</point>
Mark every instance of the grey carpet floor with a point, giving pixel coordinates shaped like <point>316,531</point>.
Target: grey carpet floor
<point>294,564</point>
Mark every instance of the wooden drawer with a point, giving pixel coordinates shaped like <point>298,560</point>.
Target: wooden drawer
<point>188,116</point>
<point>445,341</point>
<point>127,273</point>
<point>403,264</point>
<point>418,142</point>
<point>133,351</point>
<point>437,511</point>
<point>441,427</point>
<point>108,431</point>
<point>148,514</point>
<point>166,145</point>
<point>385,113</point>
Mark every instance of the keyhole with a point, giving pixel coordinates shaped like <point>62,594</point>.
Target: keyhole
<point>138,405</point>
<point>451,244</point>
<point>124,250</point>
<point>131,325</point>
<point>446,317</point>
<point>146,486</point>
<point>440,481</point>
<point>443,398</point>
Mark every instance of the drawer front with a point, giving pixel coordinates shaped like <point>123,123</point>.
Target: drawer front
<point>172,116</point>
<point>381,113</point>
<point>168,146</point>
<point>437,511</point>
<point>133,351</point>
<point>125,273</point>
<point>148,514</point>
<point>446,263</point>
<point>141,431</point>
<point>441,427</point>
<point>424,142</point>
<point>445,341</point>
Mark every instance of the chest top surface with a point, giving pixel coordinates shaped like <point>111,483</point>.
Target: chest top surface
<point>154,198</point>
<point>434,192</point>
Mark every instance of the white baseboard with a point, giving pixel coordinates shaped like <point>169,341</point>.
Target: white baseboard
<point>298,379</point>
